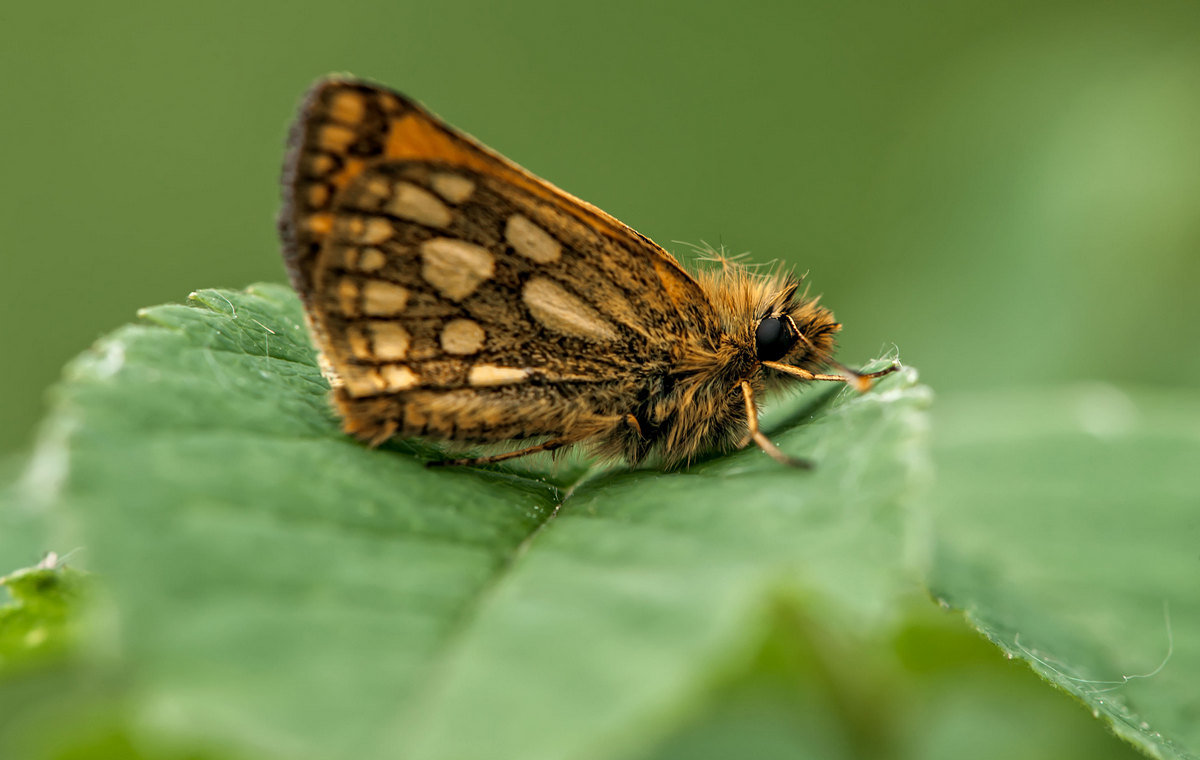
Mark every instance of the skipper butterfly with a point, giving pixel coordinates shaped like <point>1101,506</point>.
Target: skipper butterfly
<point>453,295</point>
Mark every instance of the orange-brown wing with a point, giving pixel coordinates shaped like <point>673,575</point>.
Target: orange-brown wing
<point>345,126</point>
<point>437,272</point>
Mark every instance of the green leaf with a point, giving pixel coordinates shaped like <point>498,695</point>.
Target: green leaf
<point>39,623</point>
<point>43,695</point>
<point>278,589</point>
<point>1067,531</point>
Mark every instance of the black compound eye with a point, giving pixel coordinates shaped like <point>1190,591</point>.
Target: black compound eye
<point>772,339</point>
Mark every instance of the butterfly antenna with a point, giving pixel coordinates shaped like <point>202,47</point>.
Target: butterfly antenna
<point>860,381</point>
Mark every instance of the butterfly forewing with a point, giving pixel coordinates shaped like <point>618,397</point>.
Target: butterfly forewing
<point>496,277</point>
<point>453,293</point>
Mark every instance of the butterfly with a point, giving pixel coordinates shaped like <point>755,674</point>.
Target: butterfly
<point>455,296</point>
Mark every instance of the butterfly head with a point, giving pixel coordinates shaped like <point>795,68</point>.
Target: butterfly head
<point>794,330</point>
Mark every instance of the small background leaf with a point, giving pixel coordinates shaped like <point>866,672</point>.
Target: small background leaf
<point>38,623</point>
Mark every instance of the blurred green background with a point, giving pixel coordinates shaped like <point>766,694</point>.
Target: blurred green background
<point>1006,191</point>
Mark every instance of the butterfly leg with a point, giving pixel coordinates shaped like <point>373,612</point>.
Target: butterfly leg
<point>761,439</point>
<point>551,445</point>
<point>860,380</point>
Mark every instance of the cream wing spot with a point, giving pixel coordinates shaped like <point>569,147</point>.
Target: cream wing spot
<point>491,374</point>
<point>320,164</point>
<point>531,241</point>
<point>383,299</point>
<point>564,313</point>
<point>360,344</point>
<point>372,381</point>
<point>347,107</point>
<point>363,230</point>
<point>462,337</point>
<point>388,102</point>
<point>318,195</point>
<point>347,297</point>
<point>371,260</point>
<point>397,377</point>
<point>390,340</point>
<point>335,138</point>
<point>455,267</point>
<point>332,375</point>
<point>452,187</point>
<point>418,205</point>
<point>376,231</point>
<point>362,382</point>
<point>317,224</point>
<point>376,190</point>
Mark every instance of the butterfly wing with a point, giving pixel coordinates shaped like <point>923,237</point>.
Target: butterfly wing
<point>454,294</point>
